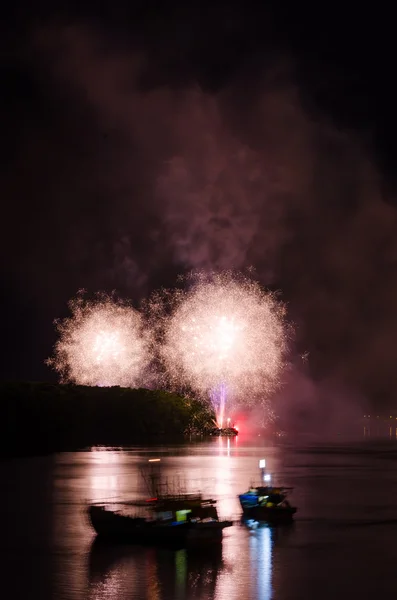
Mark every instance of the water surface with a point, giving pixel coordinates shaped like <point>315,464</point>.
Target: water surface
<point>343,543</point>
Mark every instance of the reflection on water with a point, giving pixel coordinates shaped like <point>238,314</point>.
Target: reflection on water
<point>129,572</point>
<point>156,574</point>
<point>48,552</point>
<point>227,445</point>
<point>106,470</point>
<point>260,546</point>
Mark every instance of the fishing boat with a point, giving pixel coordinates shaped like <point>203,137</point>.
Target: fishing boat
<point>266,502</point>
<point>172,519</point>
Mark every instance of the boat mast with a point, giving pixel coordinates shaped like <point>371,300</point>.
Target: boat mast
<point>152,479</point>
<point>265,477</point>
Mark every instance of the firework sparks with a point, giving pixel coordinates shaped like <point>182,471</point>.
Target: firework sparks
<point>101,344</point>
<point>225,333</point>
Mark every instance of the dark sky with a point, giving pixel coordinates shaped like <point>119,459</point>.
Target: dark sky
<point>141,141</point>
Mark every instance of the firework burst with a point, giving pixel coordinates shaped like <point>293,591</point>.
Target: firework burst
<point>103,343</point>
<point>225,336</point>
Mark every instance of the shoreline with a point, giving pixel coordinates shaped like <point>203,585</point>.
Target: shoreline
<point>43,418</point>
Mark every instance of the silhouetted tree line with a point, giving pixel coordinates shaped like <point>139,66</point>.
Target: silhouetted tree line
<point>45,417</point>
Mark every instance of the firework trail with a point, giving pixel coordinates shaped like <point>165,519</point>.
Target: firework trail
<point>102,344</point>
<point>218,400</point>
<point>224,335</point>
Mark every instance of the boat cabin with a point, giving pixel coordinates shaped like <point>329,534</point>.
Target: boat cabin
<point>181,510</point>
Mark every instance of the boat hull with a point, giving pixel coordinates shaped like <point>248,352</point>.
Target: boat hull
<point>115,527</point>
<point>254,508</point>
<point>270,515</point>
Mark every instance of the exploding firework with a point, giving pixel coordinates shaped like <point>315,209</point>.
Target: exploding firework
<point>224,337</point>
<point>102,344</point>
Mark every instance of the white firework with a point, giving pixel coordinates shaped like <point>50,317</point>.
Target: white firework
<point>225,336</point>
<point>103,343</point>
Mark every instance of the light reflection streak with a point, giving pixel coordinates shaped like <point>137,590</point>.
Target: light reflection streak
<point>222,477</point>
<point>260,545</point>
<point>119,572</point>
<point>180,573</point>
<point>104,475</point>
<point>153,591</point>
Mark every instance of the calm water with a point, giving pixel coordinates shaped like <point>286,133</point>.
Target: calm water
<point>343,543</point>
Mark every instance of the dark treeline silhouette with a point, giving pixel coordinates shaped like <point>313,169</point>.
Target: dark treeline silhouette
<point>44,417</point>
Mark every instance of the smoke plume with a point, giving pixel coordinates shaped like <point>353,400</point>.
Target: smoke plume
<point>146,169</point>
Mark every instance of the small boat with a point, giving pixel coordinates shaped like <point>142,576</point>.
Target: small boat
<point>176,519</point>
<point>224,431</point>
<point>267,502</point>
<point>179,521</point>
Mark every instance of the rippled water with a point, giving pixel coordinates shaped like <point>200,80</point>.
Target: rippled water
<point>343,543</point>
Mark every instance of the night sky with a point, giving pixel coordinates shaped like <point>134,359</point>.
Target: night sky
<point>141,141</point>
